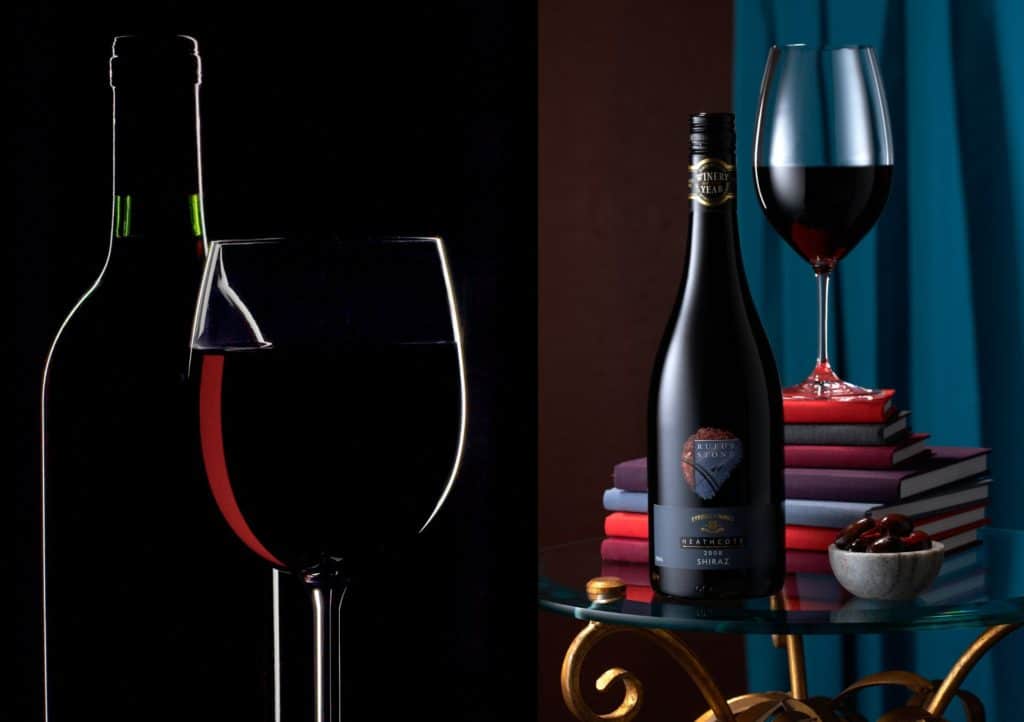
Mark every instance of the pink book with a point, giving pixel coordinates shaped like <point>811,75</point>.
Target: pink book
<point>800,561</point>
<point>629,572</point>
<point>621,549</point>
<point>856,457</point>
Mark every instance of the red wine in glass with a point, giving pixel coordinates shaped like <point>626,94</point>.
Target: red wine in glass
<point>319,451</point>
<point>823,211</point>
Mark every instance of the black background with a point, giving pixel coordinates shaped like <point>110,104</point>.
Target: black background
<point>388,119</point>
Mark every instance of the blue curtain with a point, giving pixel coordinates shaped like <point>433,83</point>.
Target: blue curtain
<point>930,303</point>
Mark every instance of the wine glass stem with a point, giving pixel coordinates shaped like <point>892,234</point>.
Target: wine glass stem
<point>822,278</point>
<point>327,595</point>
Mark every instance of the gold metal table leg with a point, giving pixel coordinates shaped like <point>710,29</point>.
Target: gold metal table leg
<point>794,655</point>
<point>951,684</point>
<point>797,670</point>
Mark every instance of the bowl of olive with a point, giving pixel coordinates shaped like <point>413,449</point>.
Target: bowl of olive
<point>885,558</point>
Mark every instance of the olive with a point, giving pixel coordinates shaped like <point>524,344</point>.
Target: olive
<point>853,530</point>
<point>896,524</point>
<point>861,543</point>
<point>886,545</point>
<point>916,541</point>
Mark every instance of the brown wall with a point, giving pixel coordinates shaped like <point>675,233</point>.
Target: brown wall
<point>617,82</point>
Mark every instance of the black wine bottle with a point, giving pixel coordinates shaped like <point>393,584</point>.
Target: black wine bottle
<point>715,408</point>
<point>142,579</point>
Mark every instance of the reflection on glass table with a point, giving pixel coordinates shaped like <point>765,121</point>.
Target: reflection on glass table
<point>979,586</point>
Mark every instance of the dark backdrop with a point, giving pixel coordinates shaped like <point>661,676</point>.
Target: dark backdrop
<point>618,81</point>
<point>400,119</point>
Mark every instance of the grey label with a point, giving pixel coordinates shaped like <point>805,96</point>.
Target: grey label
<point>696,538</point>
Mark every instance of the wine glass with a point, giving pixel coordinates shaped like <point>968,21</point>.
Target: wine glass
<point>822,169</point>
<point>332,407</point>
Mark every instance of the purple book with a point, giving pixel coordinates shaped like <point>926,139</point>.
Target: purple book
<point>620,549</point>
<point>631,475</point>
<point>946,465</point>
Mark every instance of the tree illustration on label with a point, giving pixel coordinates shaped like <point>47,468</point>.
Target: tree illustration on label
<point>709,456</point>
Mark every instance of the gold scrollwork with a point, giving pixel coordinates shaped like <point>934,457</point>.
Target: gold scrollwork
<point>780,707</point>
<point>929,699</point>
<point>629,707</point>
<point>915,683</point>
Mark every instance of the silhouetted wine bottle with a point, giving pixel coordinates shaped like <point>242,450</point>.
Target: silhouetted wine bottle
<point>142,577</point>
<point>715,408</point>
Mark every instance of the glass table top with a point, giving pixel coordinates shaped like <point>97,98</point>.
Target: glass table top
<point>978,586</point>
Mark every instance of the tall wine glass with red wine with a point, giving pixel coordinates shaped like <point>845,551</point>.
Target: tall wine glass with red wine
<point>332,410</point>
<point>822,168</point>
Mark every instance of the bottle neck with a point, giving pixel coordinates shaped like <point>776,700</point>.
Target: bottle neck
<point>713,250</point>
<point>157,174</point>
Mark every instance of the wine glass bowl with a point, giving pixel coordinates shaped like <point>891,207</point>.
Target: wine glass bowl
<point>823,212</point>
<point>331,392</point>
<point>823,163</point>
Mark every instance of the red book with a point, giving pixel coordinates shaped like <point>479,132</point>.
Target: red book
<point>811,538</point>
<point>856,457</point>
<point>637,593</point>
<point>800,561</point>
<point>636,576</point>
<point>956,536</point>
<point>802,604</point>
<point>818,538</point>
<point>627,524</point>
<point>849,410</point>
<point>622,549</point>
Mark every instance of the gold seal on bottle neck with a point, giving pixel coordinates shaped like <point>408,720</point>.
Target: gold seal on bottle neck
<point>712,182</point>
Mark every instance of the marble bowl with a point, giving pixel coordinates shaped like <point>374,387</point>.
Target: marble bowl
<point>897,575</point>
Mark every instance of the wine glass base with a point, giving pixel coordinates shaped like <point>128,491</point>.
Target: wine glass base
<point>823,384</point>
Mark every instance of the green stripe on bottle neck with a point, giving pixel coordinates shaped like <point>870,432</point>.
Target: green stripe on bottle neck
<point>122,215</point>
<point>123,226</point>
<point>196,215</point>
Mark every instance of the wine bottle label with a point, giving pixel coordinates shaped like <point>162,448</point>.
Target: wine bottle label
<point>700,538</point>
<point>712,182</point>
<point>709,456</point>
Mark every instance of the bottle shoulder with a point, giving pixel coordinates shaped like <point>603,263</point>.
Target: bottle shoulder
<point>715,345</point>
<point>121,330</point>
<point>719,323</point>
<point>75,328</point>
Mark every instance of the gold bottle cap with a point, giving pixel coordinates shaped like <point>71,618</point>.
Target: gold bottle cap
<point>606,589</point>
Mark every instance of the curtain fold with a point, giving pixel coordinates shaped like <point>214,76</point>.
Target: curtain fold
<point>930,302</point>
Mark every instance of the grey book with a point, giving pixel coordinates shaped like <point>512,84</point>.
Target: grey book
<point>886,432</point>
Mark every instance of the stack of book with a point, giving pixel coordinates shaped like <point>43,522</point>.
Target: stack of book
<point>844,460</point>
<point>624,548</point>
